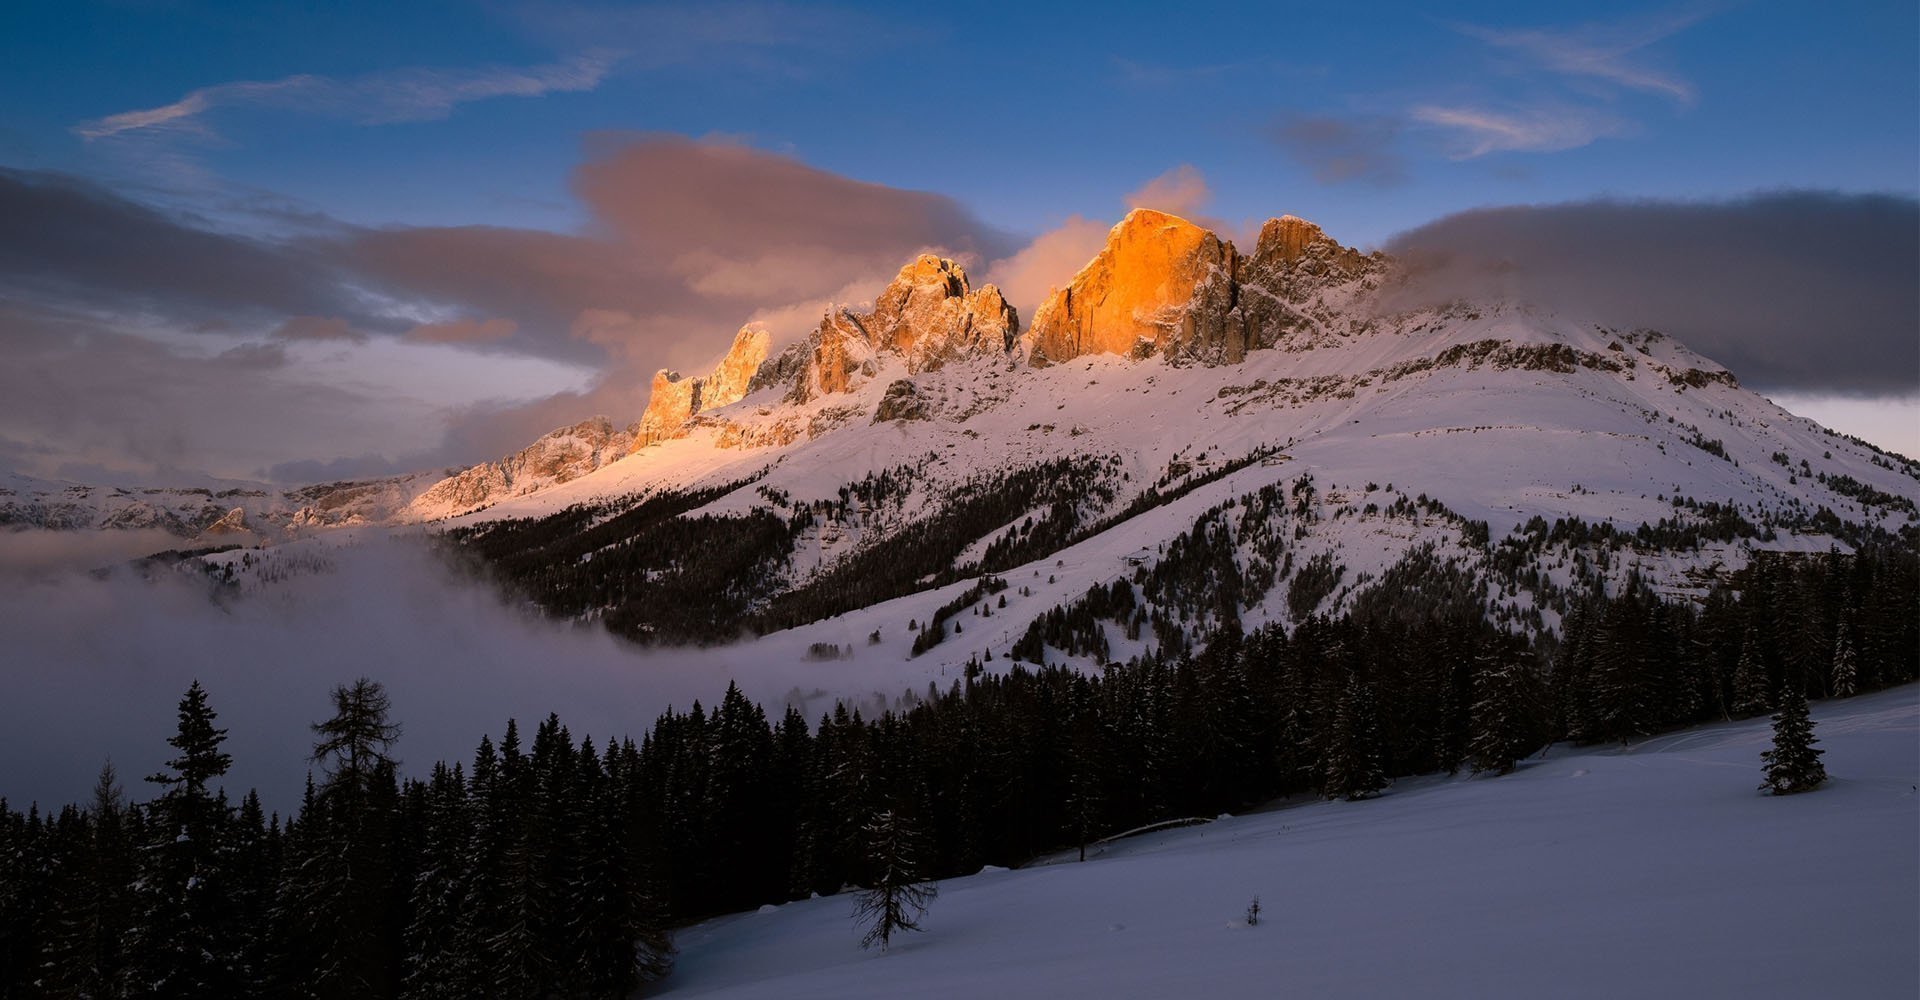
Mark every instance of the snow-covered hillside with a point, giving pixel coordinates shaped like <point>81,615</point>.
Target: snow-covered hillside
<point>1293,414</point>
<point>1378,435</point>
<point>1654,870</point>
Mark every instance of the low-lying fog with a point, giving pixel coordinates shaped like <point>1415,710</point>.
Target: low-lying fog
<point>93,668</point>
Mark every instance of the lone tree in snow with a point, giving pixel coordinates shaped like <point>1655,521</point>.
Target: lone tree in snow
<point>898,897</point>
<point>1793,765</point>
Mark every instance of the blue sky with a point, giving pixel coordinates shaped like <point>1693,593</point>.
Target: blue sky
<point>278,121</point>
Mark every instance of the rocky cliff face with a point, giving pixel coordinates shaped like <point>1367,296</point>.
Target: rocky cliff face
<point>1165,287</point>
<point>929,315</point>
<point>562,455</point>
<point>674,400</point>
<point>1293,263</point>
<point>1161,286</point>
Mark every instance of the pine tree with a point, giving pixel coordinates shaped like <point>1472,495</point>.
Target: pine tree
<point>1352,767</point>
<point>433,962</point>
<point>1507,714</point>
<point>177,945</point>
<point>896,898</point>
<point>1846,667</point>
<point>1793,765</point>
<point>353,900</point>
<point>1750,695</point>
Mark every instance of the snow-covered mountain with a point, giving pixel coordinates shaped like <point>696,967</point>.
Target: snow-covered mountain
<point>215,509</point>
<point>1192,421</point>
<point>1224,436</point>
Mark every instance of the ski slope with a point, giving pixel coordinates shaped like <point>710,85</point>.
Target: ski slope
<point>1655,870</point>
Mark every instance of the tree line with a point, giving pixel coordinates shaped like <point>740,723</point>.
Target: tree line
<point>556,867</point>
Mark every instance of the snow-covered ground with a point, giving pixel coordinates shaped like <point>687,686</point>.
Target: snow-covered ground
<point>1656,870</point>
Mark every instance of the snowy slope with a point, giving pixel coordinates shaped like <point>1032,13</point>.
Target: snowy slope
<point>1652,871</point>
<point>1447,404</point>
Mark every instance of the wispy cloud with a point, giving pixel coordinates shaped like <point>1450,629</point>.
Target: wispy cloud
<point>374,99</point>
<point>1602,52</point>
<point>1576,79</point>
<point>1477,131</point>
<point>1342,150</point>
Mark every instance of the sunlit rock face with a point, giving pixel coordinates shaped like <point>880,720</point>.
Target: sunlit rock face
<point>674,399</point>
<point>929,315</point>
<point>1161,286</point>
<point>560,456</point>
<point>1164,287</point>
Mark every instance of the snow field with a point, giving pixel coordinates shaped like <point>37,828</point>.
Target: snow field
<point>1655,870</point>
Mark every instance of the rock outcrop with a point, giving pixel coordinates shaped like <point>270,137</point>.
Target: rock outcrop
<point>558,457</point>
<point>901,402</point>
<point>928,316</point>
<point>1161,286</point>
<point>1165,287</point>
<point>1292,262</point>
<point>674,400</point>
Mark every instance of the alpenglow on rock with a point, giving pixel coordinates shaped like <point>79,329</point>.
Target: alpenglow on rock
<point>675,400</point>
<point>1161,286</point>
<point>1164,287</point>
<point>928,316</point>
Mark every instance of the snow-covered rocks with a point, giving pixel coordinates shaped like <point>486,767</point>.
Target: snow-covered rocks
<point>559,457</point>
<point>675,400</point>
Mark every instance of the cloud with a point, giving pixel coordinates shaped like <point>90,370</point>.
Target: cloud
<point>107,406</point>
<point>453,652</point>
<point>67,239</point>
<point>1343,150</point>
<point>1477,131</point>
<point>464,331</point>
<point>375,99</point>
<point>1600,52</point>
<point>1181,191</point>
<point>686,240</point>
<point>318,328</point>
<point>370,465</point>
<point>1808,291</point>
<point>1048,262</point>
<point>39,552</point>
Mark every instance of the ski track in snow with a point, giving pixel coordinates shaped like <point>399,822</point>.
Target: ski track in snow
<point>1651,870</point>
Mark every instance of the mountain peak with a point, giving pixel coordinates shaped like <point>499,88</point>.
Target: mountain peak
<point>1160,285</point>
<point>674,400</point>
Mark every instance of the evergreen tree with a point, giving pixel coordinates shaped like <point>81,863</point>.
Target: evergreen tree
<point>353,901</point>
<point>1846,667</point>
<point>1793,764</point>
<point>178,944</point>
<point>1352,767</point>
<point>81,956</point>
<point>897,896</point>
<point>433,958</point>
<point>1750,688</point>
<point>1507,714</point>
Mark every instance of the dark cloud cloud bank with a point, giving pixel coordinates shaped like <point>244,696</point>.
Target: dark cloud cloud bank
<point>1807,291</point>
<point>687,240</point>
